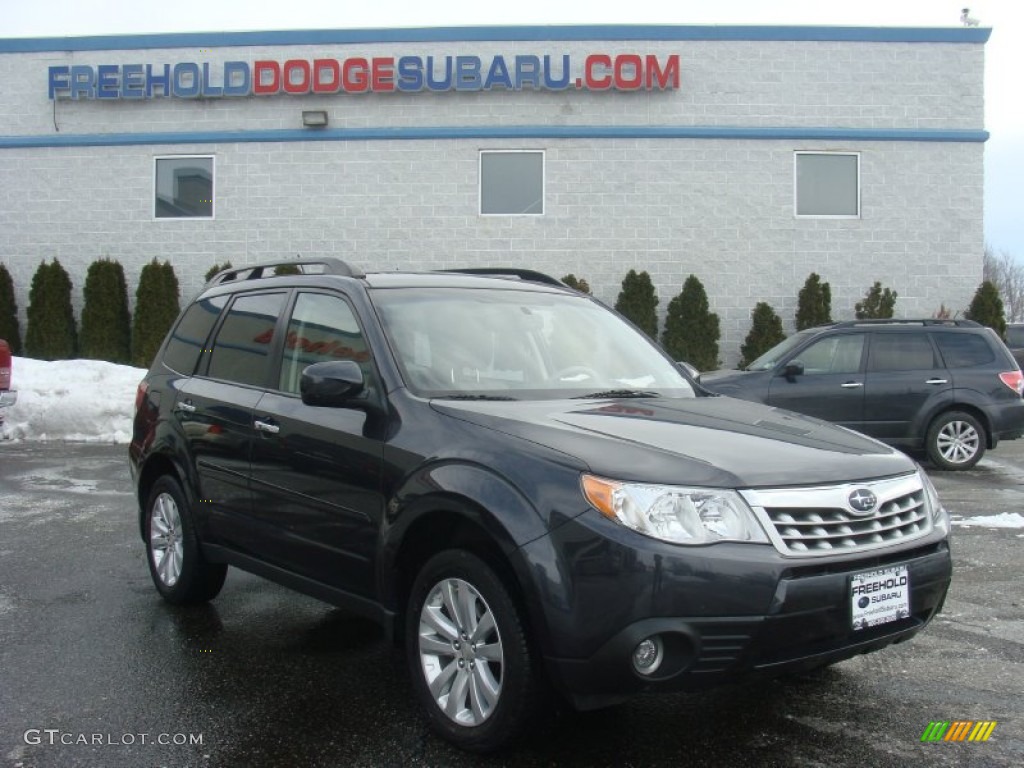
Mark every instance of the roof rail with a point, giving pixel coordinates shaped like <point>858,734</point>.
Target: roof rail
<point>906,321</point>
<point>523,274</point>
<point>328,265</point>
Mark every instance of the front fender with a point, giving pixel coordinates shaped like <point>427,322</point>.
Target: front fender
<point>440,504</point>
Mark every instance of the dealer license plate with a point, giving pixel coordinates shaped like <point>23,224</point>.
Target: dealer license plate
<point>878,597</point>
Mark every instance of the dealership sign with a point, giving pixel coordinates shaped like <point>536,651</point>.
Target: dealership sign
<point>410,74</point>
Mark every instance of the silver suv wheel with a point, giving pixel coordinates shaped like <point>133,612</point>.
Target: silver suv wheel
<point>956,440</point>
<point>460,652</point>
<point>165,539</point>
<point>180,571</point>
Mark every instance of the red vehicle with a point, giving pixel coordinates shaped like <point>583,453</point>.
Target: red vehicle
<point>7,395</point>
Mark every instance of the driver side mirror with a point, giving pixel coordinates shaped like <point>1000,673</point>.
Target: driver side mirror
<point>331,384</point>
<point>793,369</point>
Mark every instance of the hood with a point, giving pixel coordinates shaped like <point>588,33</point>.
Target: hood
<point>707,441</point>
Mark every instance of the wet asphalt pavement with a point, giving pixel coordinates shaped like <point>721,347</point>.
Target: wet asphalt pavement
<point>96,670</point>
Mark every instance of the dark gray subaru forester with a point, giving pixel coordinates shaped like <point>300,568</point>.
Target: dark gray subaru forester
<point>521,488</point>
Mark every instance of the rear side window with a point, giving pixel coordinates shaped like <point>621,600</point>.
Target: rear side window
<point>901,352</point>
<point>241,351</point>
<point>189,337</point>
<point>964,350</point>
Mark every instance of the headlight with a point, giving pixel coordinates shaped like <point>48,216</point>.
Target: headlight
<point>940,517</point>
<point>678,515</point>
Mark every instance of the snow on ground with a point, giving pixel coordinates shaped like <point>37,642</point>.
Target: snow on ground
<point>1002,520</point>
<point>79,400</point>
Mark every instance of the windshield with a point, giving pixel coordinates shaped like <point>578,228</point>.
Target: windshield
<point>772,357</point>
<point>520,344</point>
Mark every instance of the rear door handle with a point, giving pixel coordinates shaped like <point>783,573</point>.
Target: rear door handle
<point>266,426</point>
<point>852,384</point>
<point>937,381</point>
<point>186,406</point>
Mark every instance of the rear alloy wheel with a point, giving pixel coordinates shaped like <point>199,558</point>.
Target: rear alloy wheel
<point>179,570</point>
<point>956,440</point>
<point>472,666</point>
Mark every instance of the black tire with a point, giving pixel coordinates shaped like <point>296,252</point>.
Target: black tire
<point>477,719</point>
<point>956,440</point>
<point>180,572</point>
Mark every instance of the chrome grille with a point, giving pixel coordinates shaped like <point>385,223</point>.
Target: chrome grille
<point>819,521</point>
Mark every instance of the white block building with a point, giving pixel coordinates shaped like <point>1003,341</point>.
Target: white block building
<point>749,156</point>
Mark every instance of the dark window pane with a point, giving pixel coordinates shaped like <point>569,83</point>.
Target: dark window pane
<point>189,337</point>
<point>1015,335</point>
<point>961,350</point>
<point>321,328</point>
<point>512,182</point>
<point>184,187</point>
<point>901,352</point>
<point>241,352</point>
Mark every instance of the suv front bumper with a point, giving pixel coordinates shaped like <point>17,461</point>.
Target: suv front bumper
<point>797,616</point>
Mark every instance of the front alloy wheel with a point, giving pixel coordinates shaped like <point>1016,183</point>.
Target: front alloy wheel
<point>474,669</point>
<point>956,440</point>
<point>460,651</point>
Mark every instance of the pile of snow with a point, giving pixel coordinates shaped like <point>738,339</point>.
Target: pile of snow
<point>79,400</point>
<point>1002,520</point>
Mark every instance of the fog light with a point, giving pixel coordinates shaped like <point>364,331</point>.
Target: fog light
<point>648,654</point>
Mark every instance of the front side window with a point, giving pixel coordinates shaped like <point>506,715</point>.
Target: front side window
<point>184,187</point>
<point>512,183</point>
<point>512,344</point>
<point>241,351</point>
<point>833,354</point>
<point>321,328</point>
<point>828,184</point>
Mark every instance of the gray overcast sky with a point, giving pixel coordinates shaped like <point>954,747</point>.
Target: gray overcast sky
<point>1004,53</point>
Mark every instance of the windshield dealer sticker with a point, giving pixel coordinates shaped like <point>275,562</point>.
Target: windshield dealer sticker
<point>878,597</point>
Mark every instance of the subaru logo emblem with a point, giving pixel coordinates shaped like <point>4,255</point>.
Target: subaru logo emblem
<point>862,501</point>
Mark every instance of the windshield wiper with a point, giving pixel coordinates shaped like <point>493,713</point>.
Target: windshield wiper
<point>617,393</point>
<point>474,397</point>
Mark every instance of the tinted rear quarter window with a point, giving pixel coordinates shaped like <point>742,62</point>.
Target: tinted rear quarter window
<point>964,350</point>
<point>189,337</point>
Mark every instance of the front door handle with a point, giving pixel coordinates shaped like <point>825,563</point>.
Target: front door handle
<point>266,426</point>
<point>937,381</point>
<point>852,384</point>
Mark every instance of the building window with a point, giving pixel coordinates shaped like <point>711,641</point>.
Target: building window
<point>184,187</point>
<point>828,184</point>
<point>512,183</point>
